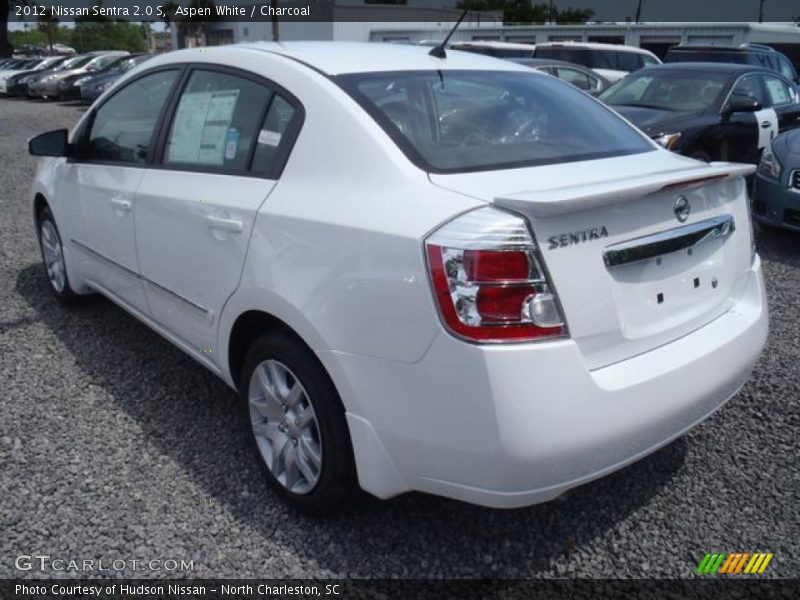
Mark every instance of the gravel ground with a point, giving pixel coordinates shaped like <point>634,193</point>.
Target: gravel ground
<point>115,445</point>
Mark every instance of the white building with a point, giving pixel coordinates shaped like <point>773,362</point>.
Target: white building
<point>386,23</point>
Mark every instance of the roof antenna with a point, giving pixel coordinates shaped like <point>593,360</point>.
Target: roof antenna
<point>438,51</point>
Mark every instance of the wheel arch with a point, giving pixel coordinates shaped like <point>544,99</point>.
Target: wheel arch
<point>249,326</point>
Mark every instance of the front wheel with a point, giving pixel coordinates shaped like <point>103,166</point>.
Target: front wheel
<point>53,257</point>
<point>300,433</point>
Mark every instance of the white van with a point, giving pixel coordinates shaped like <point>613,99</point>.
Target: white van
<point>612,61</point>
<point>496,49</point>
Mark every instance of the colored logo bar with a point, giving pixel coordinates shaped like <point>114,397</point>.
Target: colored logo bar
<point>734,563</point>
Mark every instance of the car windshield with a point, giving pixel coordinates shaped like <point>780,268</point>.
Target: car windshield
<point>75,63</point>
<point>667,90</point>
<point>452,121</point>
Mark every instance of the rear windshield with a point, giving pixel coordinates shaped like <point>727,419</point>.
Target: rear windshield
<point>616,60</point>
<point>456,121</point>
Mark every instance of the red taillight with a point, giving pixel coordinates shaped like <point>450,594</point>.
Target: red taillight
<point>494,265</point>
<point>487,280</point>
<point>501,304</point>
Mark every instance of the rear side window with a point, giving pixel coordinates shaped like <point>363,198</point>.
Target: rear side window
<point>577,78</point>
<point>777,91</point>
<point>455,121</point>
<point>786,69</point>
<point>281,118</point>
<point>217,121</point>
<point>122,128</point>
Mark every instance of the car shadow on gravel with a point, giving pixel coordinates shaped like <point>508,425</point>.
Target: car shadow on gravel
<point>415,535</point>
<point>778,245</point>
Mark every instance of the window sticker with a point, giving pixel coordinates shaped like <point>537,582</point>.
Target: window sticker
<point>269,138</point>
<point>201,129</point>
<point>231,143</point>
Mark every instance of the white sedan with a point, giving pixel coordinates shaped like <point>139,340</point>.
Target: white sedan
<point>454,275</point>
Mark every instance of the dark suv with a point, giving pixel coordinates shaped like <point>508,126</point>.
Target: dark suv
<point>746,54</point>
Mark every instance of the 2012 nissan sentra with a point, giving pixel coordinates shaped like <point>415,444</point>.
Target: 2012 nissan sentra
<point>454,275</point>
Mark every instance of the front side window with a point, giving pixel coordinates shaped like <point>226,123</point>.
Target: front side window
<point>451,121</point>
<point>217,121</point>
<point>748,88</point>
<point>122,128</point>
<point>667,90</point>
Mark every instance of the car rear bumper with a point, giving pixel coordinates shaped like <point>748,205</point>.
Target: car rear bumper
<point>509,426</point>
<point>775,204</point>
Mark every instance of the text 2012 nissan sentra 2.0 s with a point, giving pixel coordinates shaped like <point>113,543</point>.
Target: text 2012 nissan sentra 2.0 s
<point>454,275</point>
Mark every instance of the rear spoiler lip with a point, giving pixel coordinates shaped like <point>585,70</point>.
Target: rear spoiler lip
<point>569,199</point>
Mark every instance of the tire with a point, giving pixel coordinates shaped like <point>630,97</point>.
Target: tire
<point>52,251</point>
<point>315,470</point>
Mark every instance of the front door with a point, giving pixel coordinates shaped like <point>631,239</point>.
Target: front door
<point>106,177</point>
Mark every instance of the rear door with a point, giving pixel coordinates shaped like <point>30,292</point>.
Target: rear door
<point>783,100</point>
<point>221,157</point>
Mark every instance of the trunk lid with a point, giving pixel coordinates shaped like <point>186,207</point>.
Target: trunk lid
<point>629,274</point>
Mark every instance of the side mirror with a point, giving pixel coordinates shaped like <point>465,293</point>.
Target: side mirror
<point>741,106</point>
<point>52,143</point>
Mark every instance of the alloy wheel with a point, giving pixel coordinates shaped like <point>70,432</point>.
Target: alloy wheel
<point>285,426</point>
<point>53,255</point>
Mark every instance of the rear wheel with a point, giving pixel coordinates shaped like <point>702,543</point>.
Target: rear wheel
<point>53,257</point>
<point>300,434</point>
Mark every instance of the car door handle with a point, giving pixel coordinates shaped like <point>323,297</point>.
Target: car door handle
<point>765,124</point>
<point>122,204</point>
<point>231,225</point>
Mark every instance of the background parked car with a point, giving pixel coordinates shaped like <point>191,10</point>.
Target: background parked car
<point>69,87</point>
<point>496,49</point>
<point>612,61</point>
<point>10,77</point>
<point>579,76</point>
<point>709,111</point>
<point>747,54</point>
<point>92,86</point>
<point>31,82</point>
<point>776,194</point>
<point>48,87</point>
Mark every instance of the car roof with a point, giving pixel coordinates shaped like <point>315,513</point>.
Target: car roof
<point>335,58</point>
<point>491,44</point>
<point>594,46</point>
<point>721,48</point>
<point>713,67</point>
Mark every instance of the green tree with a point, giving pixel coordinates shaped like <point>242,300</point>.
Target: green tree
<point>524,11</point>
<point>197,27</point>
<point>89,35</point>
<point>48,25</point>
<point>6,6</point>
<point>168,13</point>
